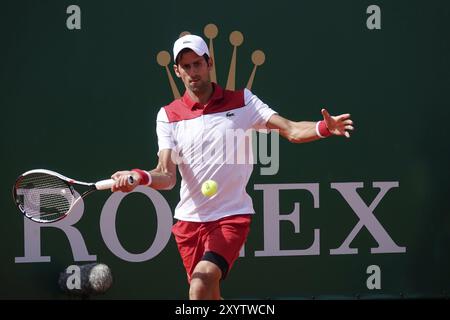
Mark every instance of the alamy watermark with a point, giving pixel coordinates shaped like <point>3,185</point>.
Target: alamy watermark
<point>236,146</point>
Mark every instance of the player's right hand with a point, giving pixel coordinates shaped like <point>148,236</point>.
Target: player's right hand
<point>122,182</point>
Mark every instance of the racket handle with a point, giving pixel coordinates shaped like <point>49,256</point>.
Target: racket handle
<point>107,184</point>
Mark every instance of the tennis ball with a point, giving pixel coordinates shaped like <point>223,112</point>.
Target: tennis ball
<point>209,188</point>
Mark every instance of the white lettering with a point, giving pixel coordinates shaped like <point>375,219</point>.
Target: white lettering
<point>374,20</point>
<point>163,232</point>
<point>74,20</point>
<point>272,218</point>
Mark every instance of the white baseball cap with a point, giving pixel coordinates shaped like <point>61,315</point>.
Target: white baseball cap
<point>193,42</point>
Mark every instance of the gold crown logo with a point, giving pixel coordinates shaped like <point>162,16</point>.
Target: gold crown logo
<point>236,39</point>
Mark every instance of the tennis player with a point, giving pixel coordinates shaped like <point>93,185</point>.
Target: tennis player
<point>211,231</point>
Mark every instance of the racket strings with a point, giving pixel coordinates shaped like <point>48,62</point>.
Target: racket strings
<point>43,196</point>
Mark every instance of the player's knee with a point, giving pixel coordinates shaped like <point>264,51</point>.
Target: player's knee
<point>203,284</point>
<point>205,278</point>
<point>207,272</point>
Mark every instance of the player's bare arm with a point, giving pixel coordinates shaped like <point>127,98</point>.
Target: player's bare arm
<point>164,176</point>
<point>305,131</point>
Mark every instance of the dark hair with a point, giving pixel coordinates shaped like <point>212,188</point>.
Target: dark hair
<point>186,50</point>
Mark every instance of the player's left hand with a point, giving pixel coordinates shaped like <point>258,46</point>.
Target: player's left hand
<point>338,125</point>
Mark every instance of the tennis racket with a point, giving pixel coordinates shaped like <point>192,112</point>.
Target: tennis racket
<point>46,196</point>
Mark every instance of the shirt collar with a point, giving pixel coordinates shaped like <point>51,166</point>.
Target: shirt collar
<point>217,95</point>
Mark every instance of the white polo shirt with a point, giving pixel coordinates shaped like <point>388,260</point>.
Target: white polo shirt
<point>213,142</point>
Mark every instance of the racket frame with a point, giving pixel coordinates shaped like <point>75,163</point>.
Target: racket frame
<point>100,185</point>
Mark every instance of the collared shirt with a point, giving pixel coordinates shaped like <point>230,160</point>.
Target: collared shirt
<point>213,142</point>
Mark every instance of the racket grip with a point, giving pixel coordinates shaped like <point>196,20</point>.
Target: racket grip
<point>107,184</point>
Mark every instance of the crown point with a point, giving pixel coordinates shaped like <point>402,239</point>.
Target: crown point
<point>163,58</point>
<point>184,33</point>
<point>236,38</point>
<point>211,31</point>
<point>258,57</point>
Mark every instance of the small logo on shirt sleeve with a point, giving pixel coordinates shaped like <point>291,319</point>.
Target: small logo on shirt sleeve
<point>230,114</point>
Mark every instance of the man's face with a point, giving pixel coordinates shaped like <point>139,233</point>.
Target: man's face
<point>194,71</point>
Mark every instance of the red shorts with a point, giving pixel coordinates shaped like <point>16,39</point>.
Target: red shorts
<point>224,237</point>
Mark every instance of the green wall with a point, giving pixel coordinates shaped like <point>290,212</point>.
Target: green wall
<point>84,103</point>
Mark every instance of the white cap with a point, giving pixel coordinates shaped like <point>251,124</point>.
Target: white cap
<point>193,42</point>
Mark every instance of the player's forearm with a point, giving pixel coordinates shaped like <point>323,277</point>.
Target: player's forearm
<point>162,180</point>
<point>301,132</point>
<point>296,132</point>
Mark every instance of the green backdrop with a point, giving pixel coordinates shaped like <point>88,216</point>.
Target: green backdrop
<point>84,103</point>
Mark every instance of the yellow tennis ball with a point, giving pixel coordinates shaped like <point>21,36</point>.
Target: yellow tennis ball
<point>209,188</point>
